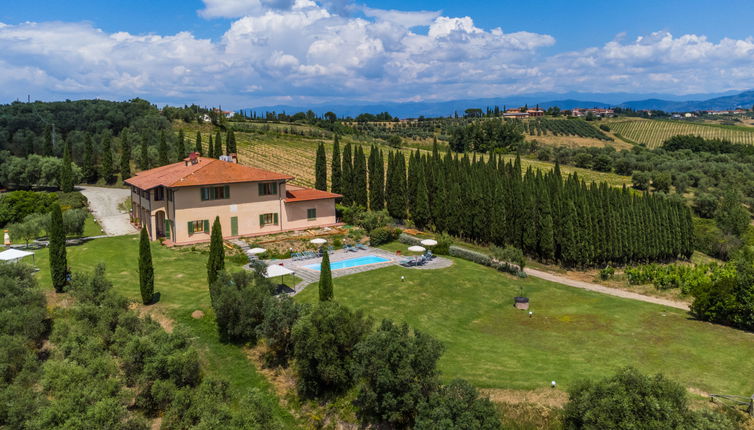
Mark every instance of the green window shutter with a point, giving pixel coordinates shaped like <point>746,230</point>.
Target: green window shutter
<point>205,194</point>
<point>275,219</point>
<point>261,220</point>
<point>191,227</point>
<point>226,191</point>
<point>311,213</point>
<point>206,226</point>
<point>234,226</point>
<point>167,228</point>
<point>212,193</point>
<point>274,188</point>
<point>261,189</point>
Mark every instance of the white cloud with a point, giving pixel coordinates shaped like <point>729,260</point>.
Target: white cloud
<point>302,50</point>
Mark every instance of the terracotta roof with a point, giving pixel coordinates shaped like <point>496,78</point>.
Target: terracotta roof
<point>208,171</point>
<point>298,194</point>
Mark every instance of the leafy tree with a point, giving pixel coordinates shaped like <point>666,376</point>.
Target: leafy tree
<point>58,259</point>
<point>320,168</point>
<point>125,155</point>
<point>198,143</point>
<point>661,181</point>
<point>216,262</point>
<point>47,148</point>
<point>144,161</point>
<point>324,342</point>
<point>397,371</point>
<point>705,204</point>
<point>335,168</point>
<point>107,169</point>
<point>280,315</point>
<point>326,293</point>
<point>73,221</point>
<point>731,216</point>
<point>26,231</point>
<point>239,303</point>
<point>640,180</point>
<point>66,172</point>
<point>630,400</point>
<point>394,140</point>
<point>146,270</point>
<point>457,406</point>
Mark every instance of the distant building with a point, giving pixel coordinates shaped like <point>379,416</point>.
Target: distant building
<point>597,112</point>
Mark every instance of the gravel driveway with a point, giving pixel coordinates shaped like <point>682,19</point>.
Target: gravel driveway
<point>103,202</point>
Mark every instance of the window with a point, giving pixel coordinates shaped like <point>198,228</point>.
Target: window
<point>145,194</point>
<point>170,195</point>
<point>199,226</point>
<point>311,214</point>
<point>215,193</point>
<point>268,188</point>
<point>159,193</point>
<point>268,219</point>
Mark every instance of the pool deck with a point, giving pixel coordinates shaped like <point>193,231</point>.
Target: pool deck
<point>309,276</point>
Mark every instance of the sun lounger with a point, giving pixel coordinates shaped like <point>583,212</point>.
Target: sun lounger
<point>361,246</point>
<point>407,262</point>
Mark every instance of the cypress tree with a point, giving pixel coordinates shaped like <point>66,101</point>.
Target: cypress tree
<point>412,181</point>
<point>230,144</point>
<point>162,154</point>
<point>89,169</point>
<point>326,293</point>
<point>108,170</point>
<point>144,161</point>
<point>346,184</point>
<point>360,196</point>
<point>320,168</point>
<point>47,148</point>
<point>125,155</point>
<point>198,144</point>
<point>376,180</point>
<point>146,270</point>
<point>66,171</point>
<point>335,169</point>
<point>58,258</point>
<point>216,262</point>
<point>401,202</point>
<point>218,145</point>
<point>421,212</point>
<point>546,233</point>
<point>30,143</point>
<point>211,148</point>
<point>180,146</point>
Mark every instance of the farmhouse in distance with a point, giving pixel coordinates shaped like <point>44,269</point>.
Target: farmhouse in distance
<point>177,201</point>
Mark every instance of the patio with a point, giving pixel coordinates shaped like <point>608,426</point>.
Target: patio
<point>309,276</point>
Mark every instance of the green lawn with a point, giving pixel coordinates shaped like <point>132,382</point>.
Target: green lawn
<point>573,334</point>
<point>91,227</point>
<point>180,279</point>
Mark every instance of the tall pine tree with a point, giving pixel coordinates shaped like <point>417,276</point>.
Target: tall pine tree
<point>66,170</point>
<point>346,184</point>
<point>162,153</point>
<point>180,146</point>
<point>108,169</point>
<point>198,144</point>
<point>421,214</point>
<point>58,258</point>
<point>326,293</point>
<point>146,270</point>
<point>335,169</point>
<point>216,262</point>
<point>359,172</point>
<point>89,169</point>
<point>376,180</point>
<point>125,155</point>
<point>320,168</point>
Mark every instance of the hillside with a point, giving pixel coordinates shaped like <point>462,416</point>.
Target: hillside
<point>654,132</point>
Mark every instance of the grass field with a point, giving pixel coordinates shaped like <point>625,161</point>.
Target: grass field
<point>573,334</point>
<point>180,279</point>
<point>654,132</point>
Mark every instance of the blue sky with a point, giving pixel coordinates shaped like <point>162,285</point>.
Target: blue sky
<point>243,53</point>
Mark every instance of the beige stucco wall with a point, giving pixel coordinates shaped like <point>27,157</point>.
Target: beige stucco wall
<point>245,203</point>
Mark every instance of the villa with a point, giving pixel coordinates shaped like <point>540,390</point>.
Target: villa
<point>179,201</point>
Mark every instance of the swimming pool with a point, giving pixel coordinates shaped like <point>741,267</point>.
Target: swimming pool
<point>351,262</point>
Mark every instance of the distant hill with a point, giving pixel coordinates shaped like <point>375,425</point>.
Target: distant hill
<point>665,102</point>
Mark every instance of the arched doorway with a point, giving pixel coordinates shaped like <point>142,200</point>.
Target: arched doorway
<point>160,223</point>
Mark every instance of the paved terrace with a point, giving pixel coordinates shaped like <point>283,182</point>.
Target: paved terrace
<point>309,276</point>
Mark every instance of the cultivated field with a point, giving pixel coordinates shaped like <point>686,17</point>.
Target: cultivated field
<point>654,132</point>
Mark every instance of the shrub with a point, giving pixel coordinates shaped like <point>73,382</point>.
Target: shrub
<point>73,221</point>
<point>457,406</point>
<point>383,235</point>
<point>17,205</point>
<point>280,315</point>
<point>238,301</point>
<point>509,254</point>
<point>604,127</point>
<point>444,241</point>
<point>323,345</point>
<point>607,273</point>
<point>72,200</point>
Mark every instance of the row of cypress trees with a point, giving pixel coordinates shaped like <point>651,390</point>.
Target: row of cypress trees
<point>548,216</point>
<point>215,146</point>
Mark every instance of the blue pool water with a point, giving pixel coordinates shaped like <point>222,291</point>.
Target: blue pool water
<point>351,262</point>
